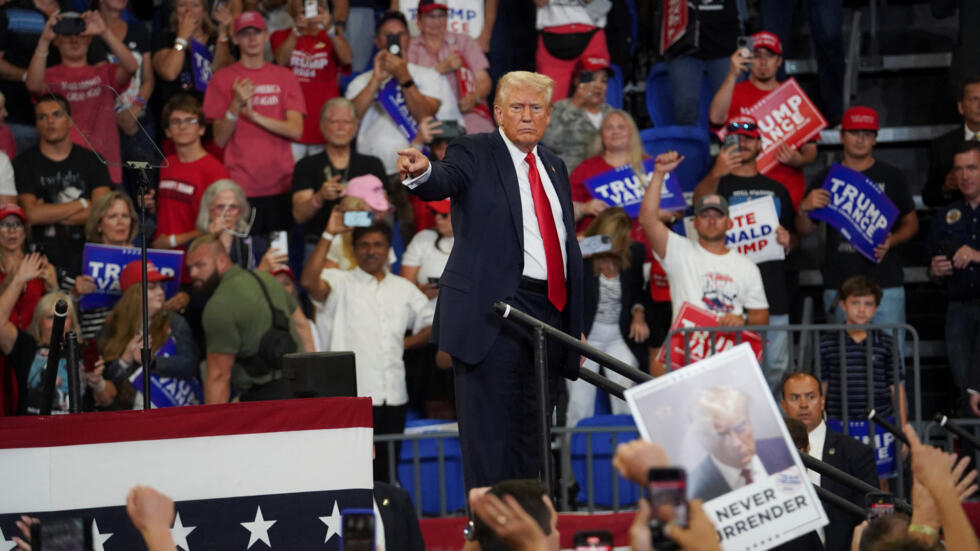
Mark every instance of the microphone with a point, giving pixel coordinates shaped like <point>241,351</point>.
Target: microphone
<point>883,423</point>
<point>965,435</point>
<point>54,355</point>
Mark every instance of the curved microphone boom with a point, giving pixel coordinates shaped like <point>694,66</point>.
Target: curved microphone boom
<point>54,355</point>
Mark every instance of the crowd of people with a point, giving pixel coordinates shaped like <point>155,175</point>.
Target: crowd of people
<point>281,129</point>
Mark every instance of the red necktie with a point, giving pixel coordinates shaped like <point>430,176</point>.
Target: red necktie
<point>549,235</point>
<point>747,475</point>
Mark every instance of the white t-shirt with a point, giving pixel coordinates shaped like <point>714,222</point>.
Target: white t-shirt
<point>378,134</point>
<point>7,186</point>
<point>431,261</point>
<point>565,12</point>
<point>723,283</point>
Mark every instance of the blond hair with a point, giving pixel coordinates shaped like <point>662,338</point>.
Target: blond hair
<point>100,206</point>
<point>635,146</point>
<point>524,79</point>
<point>45,307</point>
<point>615,223</point>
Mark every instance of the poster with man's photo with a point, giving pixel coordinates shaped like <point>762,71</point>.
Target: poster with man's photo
<point>718,420</point>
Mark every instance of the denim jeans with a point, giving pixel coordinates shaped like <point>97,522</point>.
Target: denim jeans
<point>685,74</point>
<point>891,310</point>
<point>962,338</point>
<point>360,35</point>
<point>775,358</point>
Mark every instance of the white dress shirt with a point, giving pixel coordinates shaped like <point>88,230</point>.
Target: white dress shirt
<point>968,134</point>
<point>370,318</point>
<point>535,264</point>
<point>733,475</point>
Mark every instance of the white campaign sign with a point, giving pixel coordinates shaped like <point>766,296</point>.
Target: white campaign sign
<point>753,232</point>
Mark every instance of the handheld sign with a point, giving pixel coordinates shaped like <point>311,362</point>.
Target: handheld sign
<point>884,444</point>
<point>464,16</point>
<point>702,343</point>
<point>717,419</point>
<point>105,262</point>
<point>859,210</point>
<point>674,24</point>
<point>753,232</point>
<point>786,116</point>
<point>620,187</point>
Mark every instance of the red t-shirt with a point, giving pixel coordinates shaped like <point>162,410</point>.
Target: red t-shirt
<point>317,68</point>
<point>257,160</point>
<point>93,108</point>
<point>7,143</point>
<point>744,96</point>
<point>180,190</point>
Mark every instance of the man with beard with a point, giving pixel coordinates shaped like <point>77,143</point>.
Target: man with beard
<point>372,310</point>
<point>237,316</point>
<point>705,272</point>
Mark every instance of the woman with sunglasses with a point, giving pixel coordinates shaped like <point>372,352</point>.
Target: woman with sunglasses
<point>225,210</point>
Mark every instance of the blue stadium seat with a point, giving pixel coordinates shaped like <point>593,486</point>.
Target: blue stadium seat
<point>429,469</point>
<point>614,91</point>
<point>602,452</point>
<point>660,98</point>
<point>692,142</point>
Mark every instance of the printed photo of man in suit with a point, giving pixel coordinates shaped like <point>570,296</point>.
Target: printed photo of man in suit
<point>722,423</point>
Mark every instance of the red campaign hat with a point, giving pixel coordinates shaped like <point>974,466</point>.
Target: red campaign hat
<point>593,63</point>
<point>10,208</point>
<point>284,269</point>
<point>860,118</point>
<point>425,6</point>
<point>249,19</point>
<point>765,39</point>
<point>745,125</point>
<point>442,207</point>
<point>133,274</point>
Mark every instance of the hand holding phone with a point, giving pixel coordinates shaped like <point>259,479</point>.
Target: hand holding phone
<point>90,355</point>
<point>357,529</point>
<point>667,493</point>
<point>595,540</point>
<point>879,504</point>
<point>358,218</point>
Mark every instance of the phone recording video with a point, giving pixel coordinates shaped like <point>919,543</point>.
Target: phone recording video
<point>730,141</point>
<point>744,44</point>
<point>667,492</point>
<point>70,23</point>
<point>594,540</point>
<point>595,244</point>
<point>358,218</point>
<point>90,355</point>
<point>393,43</point>
<point>879,504</point>
<point>62,534</point>
<point>309,8</point>
<point>357,530</point>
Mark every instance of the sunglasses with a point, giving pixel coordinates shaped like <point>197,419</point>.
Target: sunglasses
<point>747,126</point>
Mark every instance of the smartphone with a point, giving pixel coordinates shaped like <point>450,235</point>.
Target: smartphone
<point>595,244</point>
<point>279,240</point>
<point>730,140</point>
<point>434,280</point>
<point>667,492</point>
<point>879,504</point>
<point>358,218</point>
<point>449,130</point>
<point>309,8</point>
<point>593,540</point>
<point>744,43</point>
<point>585,77</point>
<point>62,534</point>
<point>70,23</point>
<point>393,42</point>
<point>90,355</point>
<point>357,530</point>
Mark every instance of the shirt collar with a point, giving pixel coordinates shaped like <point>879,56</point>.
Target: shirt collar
<point>817,438</point>
<point>515,153</point>
<point>968,134</point>
<point>364,277</point>
<point>733,475</point>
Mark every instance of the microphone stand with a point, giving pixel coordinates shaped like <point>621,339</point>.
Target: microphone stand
<point>965,435</point>
<point>141,190</point>
<point>74,381</point>
<point>54,354</point>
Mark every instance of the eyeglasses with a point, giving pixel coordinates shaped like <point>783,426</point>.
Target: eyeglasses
<point>747,126</point>
<point>11,226</point>
<point>183,122</point>
<point>230,207</point>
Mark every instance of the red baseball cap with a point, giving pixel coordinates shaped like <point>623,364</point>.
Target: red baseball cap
<point>593,63</point>
<point>284,269</point>
<point>248,19</point>
<point>860,118</point>
<point>442,207</point>
<point>133,274</point>
<point>425,6</point>
<point>10,208</point>
<point>765,39</point>
<point>746,125</point>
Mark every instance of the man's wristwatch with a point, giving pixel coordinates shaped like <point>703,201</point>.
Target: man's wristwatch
<point>407,84</point>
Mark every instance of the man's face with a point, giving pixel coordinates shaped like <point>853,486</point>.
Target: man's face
<point>858,143</point>
<point>392,27</point>
<point>751,146</point>
<point>969,106</point>
<point>711,225</point>
<point>803,401</point>
<point>858,310</point>
<point>251,41</point>
<point>72,47</point>
<point>765,64</point>
<point>52,122</point>
<point>371,252</point>
<point>433,24</point>
<point>338,126</point>
<point>184,128</point>
<point>203,267</point>
<point>730,439</point>
<point>524,115</point>
<point>966,168</point>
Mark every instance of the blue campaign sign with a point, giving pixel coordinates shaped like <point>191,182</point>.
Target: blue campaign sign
<point>620,187</point>
<point>105,262</point>
<point>859,210</point>
<point>884,444</point>
<point>168,392</point>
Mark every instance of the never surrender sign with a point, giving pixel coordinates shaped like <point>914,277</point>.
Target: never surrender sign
<point>785,116</point>
<point>620,187</point>
<point>105,262</point>
<point>859,210</point>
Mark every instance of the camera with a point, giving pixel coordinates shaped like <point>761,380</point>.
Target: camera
<point>70,23</point>
<point>667,492</point>
<point>393,43</point>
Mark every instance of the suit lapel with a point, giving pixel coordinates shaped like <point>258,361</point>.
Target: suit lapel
<point>508,181</point>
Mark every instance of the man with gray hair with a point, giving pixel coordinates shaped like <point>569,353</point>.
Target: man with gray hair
<point>319,179</point>
<point>515,242</point>
<point>735,458</point>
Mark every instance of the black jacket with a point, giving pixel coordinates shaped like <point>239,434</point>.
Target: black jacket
<point>857,460</point>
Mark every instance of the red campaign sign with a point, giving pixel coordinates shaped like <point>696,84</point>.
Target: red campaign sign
<point>785,116</point>
<point>700,341</point>
<point>674,23</point>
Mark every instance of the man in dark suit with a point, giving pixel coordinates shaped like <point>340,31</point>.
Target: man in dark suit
<point>515,242</point>
<point>735,458</point>
<point>803,400</point>
<point>401,525</point>
<point>940,188</point>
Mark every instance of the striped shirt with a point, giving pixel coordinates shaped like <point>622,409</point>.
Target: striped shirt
<point>882,364</point>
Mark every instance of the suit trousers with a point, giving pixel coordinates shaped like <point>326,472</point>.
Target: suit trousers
<point>497,400</point>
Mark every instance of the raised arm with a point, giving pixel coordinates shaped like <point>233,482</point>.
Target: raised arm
<point>31,267</point>
<point>653,227</point>
<point>310,279</point>
<point>718,111</point>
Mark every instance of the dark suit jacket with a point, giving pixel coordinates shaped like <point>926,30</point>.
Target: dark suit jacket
<point>941,152</point>
<point>398,515</point>
<point>707,482</point>
<point>631,282</point>
<point>857,460</point>
<point>488,252</point>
